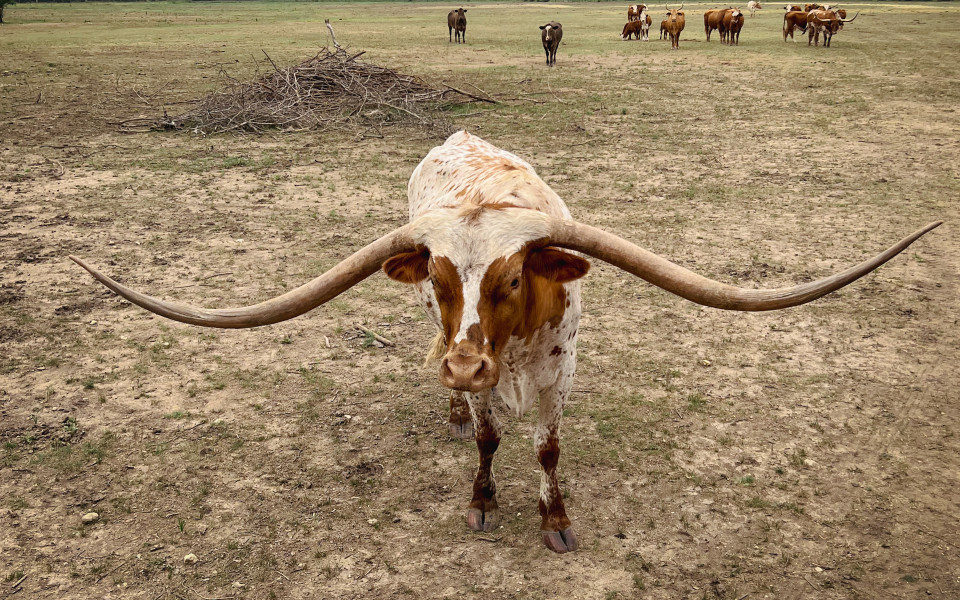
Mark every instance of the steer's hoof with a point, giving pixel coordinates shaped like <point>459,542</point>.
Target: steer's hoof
<point>462,430</point>
<point>561,541</point>
<point>479,520</point>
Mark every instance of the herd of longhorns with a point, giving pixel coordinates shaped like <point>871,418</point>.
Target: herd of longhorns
<point>813,19</point>
<point>496,261</point>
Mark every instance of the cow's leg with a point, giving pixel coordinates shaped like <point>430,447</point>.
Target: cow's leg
<point>555,527</point>
<point>483,513</point>
<point>460,423</point>
<point>451,33</point>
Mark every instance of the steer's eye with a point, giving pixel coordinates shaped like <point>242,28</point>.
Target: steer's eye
<point>515,283</point>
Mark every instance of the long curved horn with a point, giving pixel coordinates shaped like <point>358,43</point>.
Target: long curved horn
<point>331,284</point>
<point>850,20</point>
<point>687,284</point>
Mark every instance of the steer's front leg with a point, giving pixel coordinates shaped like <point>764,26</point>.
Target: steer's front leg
<point>558,535</point>
<point>483,513</point>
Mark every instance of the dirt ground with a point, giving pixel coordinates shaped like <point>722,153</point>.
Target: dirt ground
<point>805,453</point>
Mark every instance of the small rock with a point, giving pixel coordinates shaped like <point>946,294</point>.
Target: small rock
<point>90,517</point>
<point>705,363</point>
<point>372,521</point>
<point>818,569</point>
<point>190,559</point>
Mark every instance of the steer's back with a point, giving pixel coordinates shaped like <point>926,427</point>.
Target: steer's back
<point>467,171</point>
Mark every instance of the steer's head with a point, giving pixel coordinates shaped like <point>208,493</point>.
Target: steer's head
<point>674,15</point>
<point>493,277</point>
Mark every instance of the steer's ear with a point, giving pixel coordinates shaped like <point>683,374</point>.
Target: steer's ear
<point>556,265</point>
<point>408,267</point>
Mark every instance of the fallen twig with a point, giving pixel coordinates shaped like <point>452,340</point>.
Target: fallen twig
<point>376,336</point>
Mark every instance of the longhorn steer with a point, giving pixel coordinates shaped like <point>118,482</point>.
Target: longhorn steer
<point>457,22</point>
<point>825,22</point>
<point>550,35</point>
<point>753,6</point>
<point>491,252</point>
<point>675,22</point>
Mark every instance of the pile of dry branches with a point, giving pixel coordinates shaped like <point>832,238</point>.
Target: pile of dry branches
<point>332,89</point>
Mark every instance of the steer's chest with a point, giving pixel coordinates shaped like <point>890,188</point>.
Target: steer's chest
<point>546,360</point>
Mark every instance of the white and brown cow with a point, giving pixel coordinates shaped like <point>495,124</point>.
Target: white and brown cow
<point>493,255</point>
<point>753,6</point>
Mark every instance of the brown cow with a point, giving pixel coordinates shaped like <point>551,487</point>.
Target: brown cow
<point>631,28</point>
<point>633,13</point>
<point>712,20</point>
<point>663,30</point>
<point>730,27</point>
<point>550,35</point>
<point>792,8</point>
<point>457,21</point>
<point>795,19</point>
<point>676,20</point>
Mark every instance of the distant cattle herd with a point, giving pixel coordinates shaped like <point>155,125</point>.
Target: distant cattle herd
<point>814,20</point>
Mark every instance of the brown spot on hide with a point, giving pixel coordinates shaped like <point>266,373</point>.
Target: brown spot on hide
<point>448,290</point>
<point>556,351</point>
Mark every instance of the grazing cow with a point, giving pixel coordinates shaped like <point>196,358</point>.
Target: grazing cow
<point>492,253</point>
<point>631,28</point>
<point>712,19</point>
<point>730,27</point>
<point>457,22</point>
<point>753,6</point>
<point>550,35</point>
<point>675,22</point>
<point>795,19</point>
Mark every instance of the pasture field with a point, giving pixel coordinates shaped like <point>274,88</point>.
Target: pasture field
<point>806,453</point>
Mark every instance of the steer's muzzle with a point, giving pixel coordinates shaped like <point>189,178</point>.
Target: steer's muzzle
<point>468,368</point>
